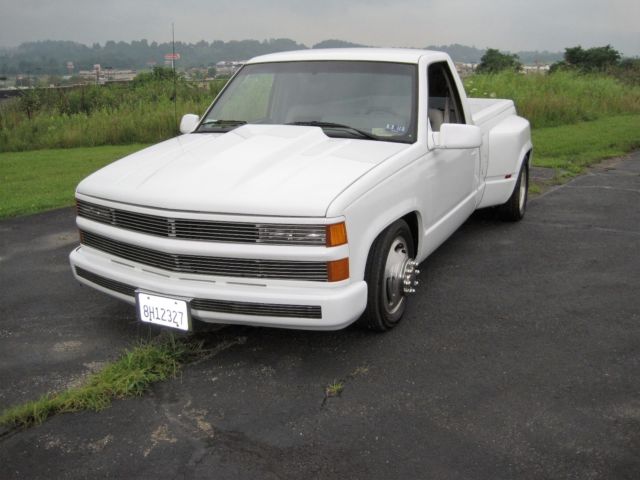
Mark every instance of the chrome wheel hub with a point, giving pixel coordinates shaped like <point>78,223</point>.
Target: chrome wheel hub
<point>410,280</point>
<point>400,274</point>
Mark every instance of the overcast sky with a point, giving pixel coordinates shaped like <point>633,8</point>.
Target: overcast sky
<point>505,24</point>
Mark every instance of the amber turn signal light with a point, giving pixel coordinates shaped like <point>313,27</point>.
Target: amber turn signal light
<point>338,270</point>
<point>336,234</point>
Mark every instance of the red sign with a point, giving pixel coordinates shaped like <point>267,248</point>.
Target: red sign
<point>172,56</point>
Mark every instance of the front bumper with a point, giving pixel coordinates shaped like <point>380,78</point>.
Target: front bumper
<point>340,304</point>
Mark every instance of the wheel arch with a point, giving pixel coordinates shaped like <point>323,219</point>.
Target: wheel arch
<point>508,150</point>
<point>514,208</point>
<point>528,157</point>
<point>509,141</point>
<point>369,233</point>
<point>414,226</point>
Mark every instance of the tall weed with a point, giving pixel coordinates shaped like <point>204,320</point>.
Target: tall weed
<point>144,112</point>
<point>562,98</point>
<point>99,115</point>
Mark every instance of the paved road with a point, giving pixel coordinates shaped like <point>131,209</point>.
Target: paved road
<point>520,358</point>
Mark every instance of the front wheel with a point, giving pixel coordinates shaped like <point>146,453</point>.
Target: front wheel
<point>514,208</point>
<point>390,275</point>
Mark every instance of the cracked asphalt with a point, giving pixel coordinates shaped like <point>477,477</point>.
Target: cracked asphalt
<point>518,358</point>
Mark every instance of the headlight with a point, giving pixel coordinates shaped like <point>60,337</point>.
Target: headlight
<point>292,234</point>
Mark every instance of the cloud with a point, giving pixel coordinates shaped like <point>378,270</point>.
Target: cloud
<point>505,24</point>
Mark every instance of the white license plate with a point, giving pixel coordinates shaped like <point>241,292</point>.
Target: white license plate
<point>168,312</point>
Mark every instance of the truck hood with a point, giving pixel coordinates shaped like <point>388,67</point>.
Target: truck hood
<point>278,170</point>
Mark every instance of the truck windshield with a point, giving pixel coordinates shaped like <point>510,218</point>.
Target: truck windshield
<point>370,100</point>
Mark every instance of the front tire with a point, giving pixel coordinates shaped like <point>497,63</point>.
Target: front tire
<point>390,258</point>
<point>514,208</point>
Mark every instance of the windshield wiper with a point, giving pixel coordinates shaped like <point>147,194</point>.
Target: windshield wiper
<point>362,133</point>
<point>223,125</point>
<point>224,122</point>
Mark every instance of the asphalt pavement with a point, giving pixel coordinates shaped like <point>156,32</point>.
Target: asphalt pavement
<point>519,357</point>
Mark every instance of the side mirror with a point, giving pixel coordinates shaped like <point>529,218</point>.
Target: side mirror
<point>456,135</point>
<point>189,123</point>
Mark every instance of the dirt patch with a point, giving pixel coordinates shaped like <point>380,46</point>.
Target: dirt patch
<point>67,346</point>
<point>159,435</point>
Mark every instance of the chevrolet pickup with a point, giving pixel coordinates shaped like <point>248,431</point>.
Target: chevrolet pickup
<point>307,194</point>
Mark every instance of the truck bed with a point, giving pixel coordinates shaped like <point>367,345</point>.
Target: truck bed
<point>485,109</point>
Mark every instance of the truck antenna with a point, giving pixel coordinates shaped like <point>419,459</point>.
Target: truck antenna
<point>173,67</point>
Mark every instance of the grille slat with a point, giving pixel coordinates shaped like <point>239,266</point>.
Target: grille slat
<point>217,231</point>
<point>106,282</point>
<point>220,306</point>
<point>259,309</point>
<point>226,267</point>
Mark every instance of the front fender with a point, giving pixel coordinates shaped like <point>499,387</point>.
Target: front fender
<point>368,216</point>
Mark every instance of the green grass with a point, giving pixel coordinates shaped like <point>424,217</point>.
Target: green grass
<point>43,179</point>
<point>130,375</point>
<point>572,148</point>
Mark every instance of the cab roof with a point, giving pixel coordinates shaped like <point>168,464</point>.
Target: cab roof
<point>398,55</point>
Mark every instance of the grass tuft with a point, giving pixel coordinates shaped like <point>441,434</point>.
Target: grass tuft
<point>131,375</point>
<point>334,389</point>
<point>535,188</point>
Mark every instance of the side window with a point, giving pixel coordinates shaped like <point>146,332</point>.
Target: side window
<point>444,100</point>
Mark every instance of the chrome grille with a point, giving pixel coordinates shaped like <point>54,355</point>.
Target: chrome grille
<point>221,306</point>
<point>106,282</point>
<point>188,229</point>
<point>258,309</point>
<point>199,264</point>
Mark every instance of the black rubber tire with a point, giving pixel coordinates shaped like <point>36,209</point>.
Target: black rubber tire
<point>376,315</point>
<point>513,210</point>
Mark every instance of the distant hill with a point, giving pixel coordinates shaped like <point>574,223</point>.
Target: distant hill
<point>51,57</point>
<point>337,44</point>
<point>460,53</point>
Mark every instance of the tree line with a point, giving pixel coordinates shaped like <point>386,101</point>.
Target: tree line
<point>604,59</point>
<point>51,57</point>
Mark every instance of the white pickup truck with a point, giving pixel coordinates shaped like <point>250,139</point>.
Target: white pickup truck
<point>307,194</point>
